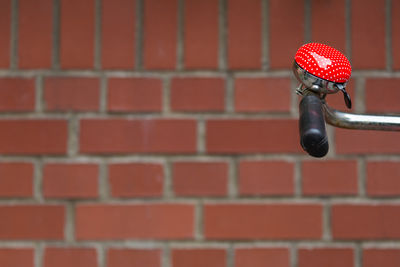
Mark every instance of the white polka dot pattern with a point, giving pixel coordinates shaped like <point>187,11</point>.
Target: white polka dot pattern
<point>324,62</point>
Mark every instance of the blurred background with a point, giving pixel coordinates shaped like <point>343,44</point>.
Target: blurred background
<point>164,133</point>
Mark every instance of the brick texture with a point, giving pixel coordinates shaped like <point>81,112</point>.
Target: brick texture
<point>32,222</point>
<point>383,178</point>
<point>165,133</point>
<point>365,222</point>
<point>367,32</point>
<point>160,23</point>
<point>332,257</point>
<point>380,257</point>
<point>5,32</point>
<point>35,47</point>
<point>244,45</point>
<point>200,178</point>
<point>197,94</point>
<point>133,257</point>
<point>12,257</point>
<point>137,136</point>
<point>330,177</point>
<point>45,137</point>
<point>139,221</point>
<point>118,46</point>
<point>395,23</point>
<point>63,257</point>
<point>136,179</point>
<point>199,257</point>
<point>251,136</point>
<point>284,17</point>
<point>259,257</point>
<point>262,221</point>
<point>17,94</point>
<point>260,95</point>
<point>381,95</point>
<point>77,20</point>
<point>201,34</point>
<point>70,180</point>
<point>329,23</point>
<point>134,95</point>
<point>71,94</point>
<point>266,178</point>
<point>16,179</point>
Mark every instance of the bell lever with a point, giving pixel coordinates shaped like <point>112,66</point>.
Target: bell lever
<point>346,96</point>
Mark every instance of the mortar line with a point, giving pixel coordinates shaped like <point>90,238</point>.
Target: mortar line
<point>97,34</point>
<point>230,256</point>
<point>180,36</point>
<point>69,228</point>
<point>38,179</point>
<point>103,94</point>
<point>38,255</point>
<point>168,179</point>
<point>326,222</point>
<point>39,95</point>
<point>101,255</point>
<point>264,35</point>
<point>233,179</point>
<point>388,35</point>
<point>166,97</point>
<point>56,35</point>
<point>73,135</point>
<point>199,226</point>
<point>230,94</point>
<point>166,257</point>
<point>307,21</point>
<point>14,34</point>
<point>348,28</point>
<point>104,185</point>
<point>139,35</point>
<point>293,255</point>
<point>201,137</point>
<point>298,187</point>
<point>358,262</point>
<point>223,34</point>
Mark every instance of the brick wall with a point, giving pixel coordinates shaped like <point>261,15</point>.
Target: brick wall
<point>163,133</point>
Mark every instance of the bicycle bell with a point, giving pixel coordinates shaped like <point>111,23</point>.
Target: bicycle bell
<point>322,70</point>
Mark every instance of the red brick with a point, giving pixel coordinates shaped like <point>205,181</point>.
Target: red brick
<point>199,257</point>
<point>137,136</point>
<point>133,257</point>
<point>65,257</point>
<point>395,34</point>
<point>366,142</point>
<point>200,178</point>
<point>368,35</point>
<point>249,136</point>
<point>201,34</point>
<point>33,136</point>
<point>244,34</point>
<point>16,179</point>
<point>5,33</point>
<point>77,34</point>
<point>381,95</point>
<point>138,221</point>
<point>260,94</point>
<point>198,94</point>
<point>328,23</point>
<point>285,17</point>
<point>383,178</point>
<point>135,94</point>
<point>136,179</point>
<point>17,94</point>
<point>13,257</point>
<point>365,222</point>
<point>329,257</point>
<point>332,177</point>
<point>35,41</point>
<point>78,94</point>
<point>70,180</point>
<point>260,257</point>
<point>262,221</point>
<point>160,34</point>
<point>32,222</point>
<point>266,178</point>
<point>118,34</point>
<point>388,257</point>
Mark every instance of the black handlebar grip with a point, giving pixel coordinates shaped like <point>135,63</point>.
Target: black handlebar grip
<point>313,137</point>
